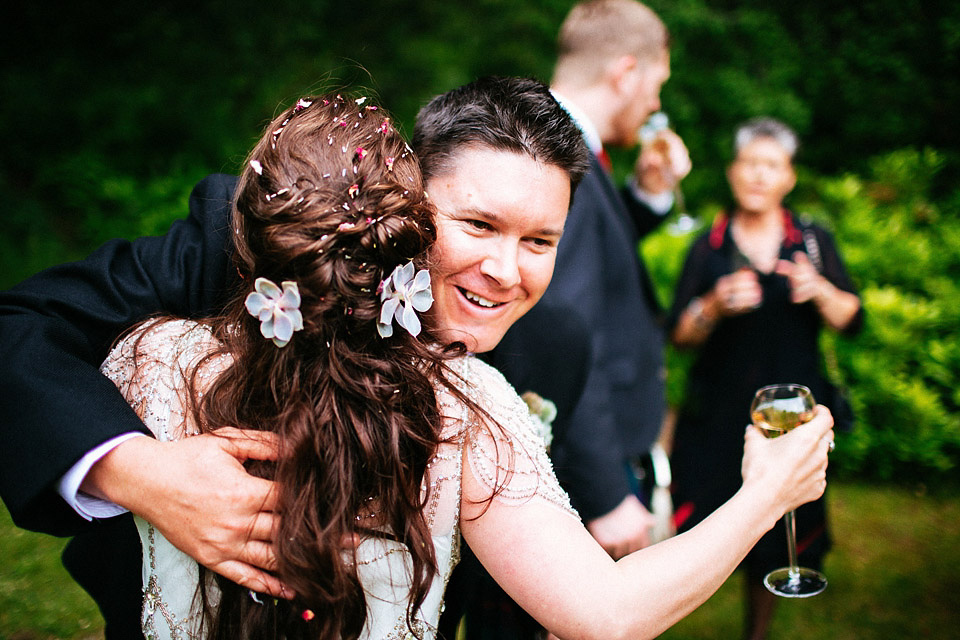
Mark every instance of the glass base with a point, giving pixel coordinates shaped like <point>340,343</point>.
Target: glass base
<point>798,583</point>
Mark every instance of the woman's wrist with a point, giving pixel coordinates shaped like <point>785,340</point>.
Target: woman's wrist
<point>703,312</point>
<point>824,293</point>
<point>761,503</point>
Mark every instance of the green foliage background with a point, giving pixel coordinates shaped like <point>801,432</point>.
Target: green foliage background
<point>110,113</point>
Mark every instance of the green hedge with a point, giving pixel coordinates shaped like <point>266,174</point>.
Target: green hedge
<point>898,228</point>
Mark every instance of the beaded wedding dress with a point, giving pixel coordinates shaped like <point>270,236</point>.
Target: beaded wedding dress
<point>150,373</point>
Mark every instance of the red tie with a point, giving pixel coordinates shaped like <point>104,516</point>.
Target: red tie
<point>604,158</point>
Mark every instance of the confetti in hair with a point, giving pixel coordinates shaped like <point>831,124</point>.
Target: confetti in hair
<point>271,196</point>
<point>302,104</point>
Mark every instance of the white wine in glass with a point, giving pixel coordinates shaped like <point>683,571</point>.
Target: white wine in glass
<point>775,410</point>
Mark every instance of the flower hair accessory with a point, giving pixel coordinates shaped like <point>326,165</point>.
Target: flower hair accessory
<point>413,291</point>
<point>278,311</point>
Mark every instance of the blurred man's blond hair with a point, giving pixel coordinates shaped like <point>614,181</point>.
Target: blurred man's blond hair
<point>596,32</point>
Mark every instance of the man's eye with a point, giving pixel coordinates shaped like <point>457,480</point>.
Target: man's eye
<point>480,224</point>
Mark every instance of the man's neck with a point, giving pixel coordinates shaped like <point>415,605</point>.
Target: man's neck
<point>591,102</point>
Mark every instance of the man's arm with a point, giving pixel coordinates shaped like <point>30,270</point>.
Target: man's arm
<point>56,328</point>
<point>197,493</point>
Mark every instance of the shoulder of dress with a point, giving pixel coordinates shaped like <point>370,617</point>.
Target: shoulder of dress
<point>489,389</point>
<point>476,379</point>
<point>175,339</point>
<point>167,343</point>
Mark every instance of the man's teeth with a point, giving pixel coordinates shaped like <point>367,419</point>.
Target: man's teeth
<point>483,302</point>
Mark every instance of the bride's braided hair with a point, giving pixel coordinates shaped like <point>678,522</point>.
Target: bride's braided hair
<point>333,199</point>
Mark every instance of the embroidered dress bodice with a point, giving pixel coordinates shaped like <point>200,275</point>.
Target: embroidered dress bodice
<point>154,386</point>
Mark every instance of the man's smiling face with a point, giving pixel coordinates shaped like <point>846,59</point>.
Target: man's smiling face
<point>499,219</point>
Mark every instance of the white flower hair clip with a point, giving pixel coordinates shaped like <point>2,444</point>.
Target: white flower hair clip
<point>413,291</point>
<point>278,311</point>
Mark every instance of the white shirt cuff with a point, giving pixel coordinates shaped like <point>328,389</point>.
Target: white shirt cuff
<point>88,506</point>
<point>659,203</point>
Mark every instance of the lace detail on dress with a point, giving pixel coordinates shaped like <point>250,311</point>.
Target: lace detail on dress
<point>509,456</point>
<point>149,366</point>
<point>158,610</point>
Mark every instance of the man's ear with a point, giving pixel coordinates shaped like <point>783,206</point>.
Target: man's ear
<point>621,73</point>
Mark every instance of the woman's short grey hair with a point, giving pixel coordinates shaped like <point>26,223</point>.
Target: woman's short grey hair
<point>766,128</point>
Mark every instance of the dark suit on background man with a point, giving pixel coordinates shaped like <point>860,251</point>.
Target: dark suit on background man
<point>58,326</point>
<point>600,276</point>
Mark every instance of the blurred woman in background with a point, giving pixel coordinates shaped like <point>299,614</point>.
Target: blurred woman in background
<point>755,291</point>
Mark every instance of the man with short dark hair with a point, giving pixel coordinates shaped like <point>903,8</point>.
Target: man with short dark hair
<point>72,444</point>
<point>613,59</point>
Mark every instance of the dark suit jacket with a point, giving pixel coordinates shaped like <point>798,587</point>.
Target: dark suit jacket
<point>601,278</point>
<point>56,328</point>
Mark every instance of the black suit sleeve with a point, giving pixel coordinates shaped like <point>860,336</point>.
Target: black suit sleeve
<point>645,220</point>
<point>57,327</point>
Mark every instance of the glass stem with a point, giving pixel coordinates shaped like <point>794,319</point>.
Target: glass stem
<point>791,523</point>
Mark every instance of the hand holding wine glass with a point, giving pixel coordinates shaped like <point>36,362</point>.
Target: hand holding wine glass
<point>775,411</point>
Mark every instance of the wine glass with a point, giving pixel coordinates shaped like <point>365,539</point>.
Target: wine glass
<point>776,409</point>
<point>649,135</point>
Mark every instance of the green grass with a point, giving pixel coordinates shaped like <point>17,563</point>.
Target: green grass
<point>894,573</point>
<point>38,599</point>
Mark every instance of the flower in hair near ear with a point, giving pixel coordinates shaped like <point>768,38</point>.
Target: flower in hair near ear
<point>278,310</point>
<point>402,294</point>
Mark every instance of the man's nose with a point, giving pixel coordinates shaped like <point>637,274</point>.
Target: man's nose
<point>502,264</point>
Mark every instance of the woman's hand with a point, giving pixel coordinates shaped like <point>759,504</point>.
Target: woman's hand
<point>732,295</point>
<point>795,463</point>
<point>805,281</point>
<point>836,307</point>
<point>737,293</point>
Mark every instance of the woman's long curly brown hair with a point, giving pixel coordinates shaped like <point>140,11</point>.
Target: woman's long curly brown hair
<point>331,198</point>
